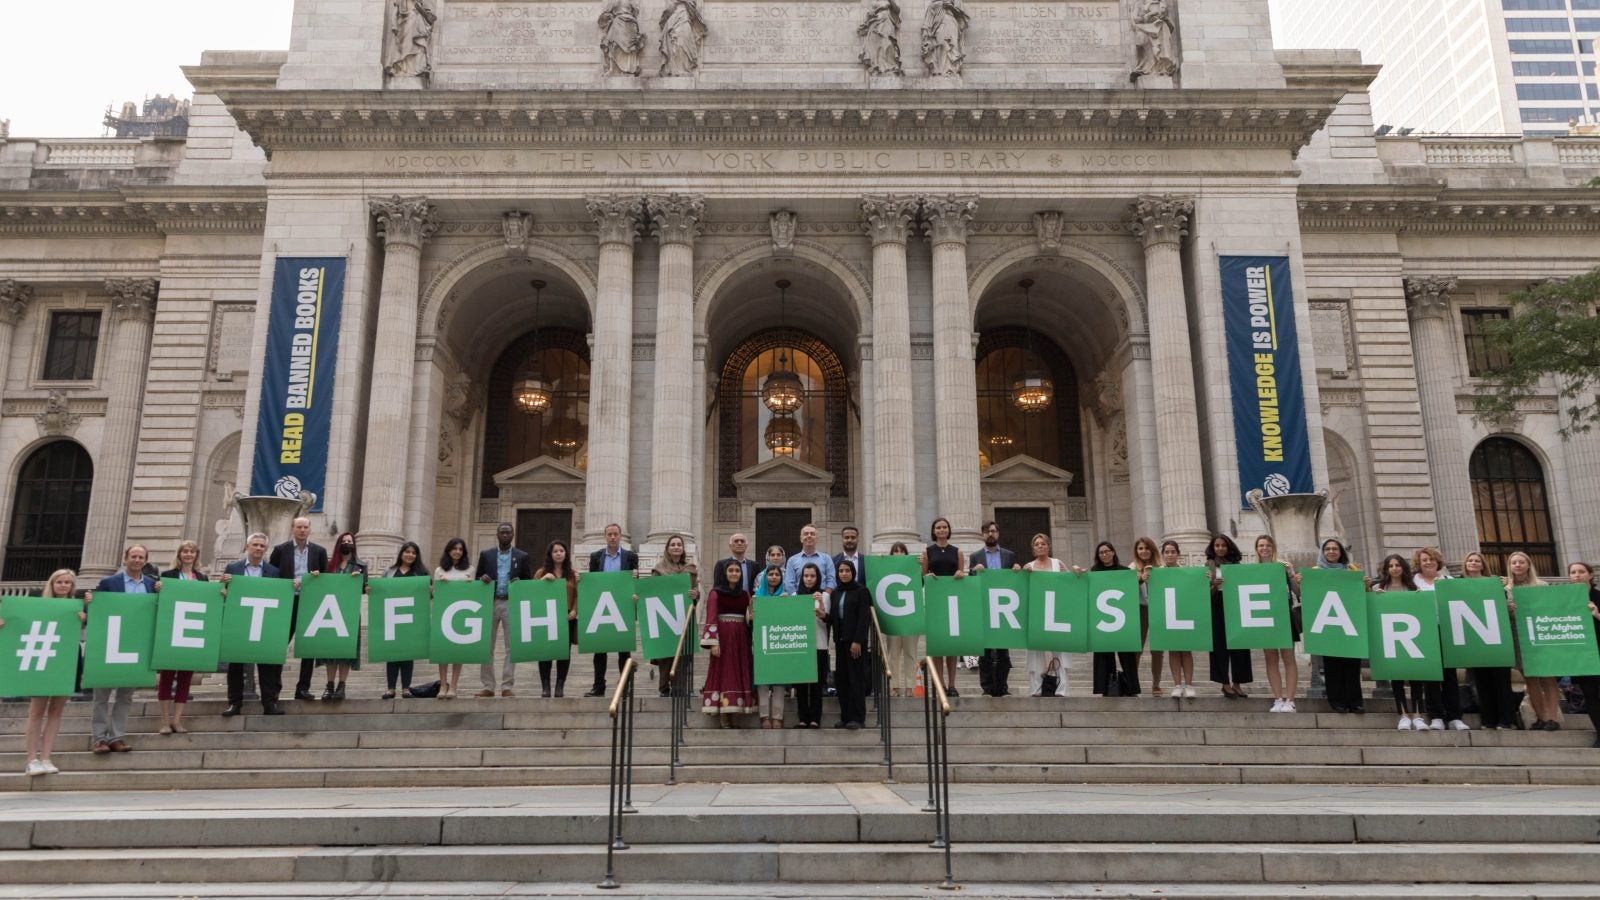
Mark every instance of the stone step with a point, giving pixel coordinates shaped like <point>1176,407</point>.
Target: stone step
<point>1283,864</point>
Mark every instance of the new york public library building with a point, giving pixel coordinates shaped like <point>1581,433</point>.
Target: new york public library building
<point>1094,269</point>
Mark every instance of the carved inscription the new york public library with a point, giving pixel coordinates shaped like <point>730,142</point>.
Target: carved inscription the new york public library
<point>798,162</point>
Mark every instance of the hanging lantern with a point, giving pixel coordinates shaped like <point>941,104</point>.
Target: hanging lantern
<point>1001,440</point>
<point>782,435</point>
<point>1032,391</point>
<point>530,392</point>
<point>783,391</point>
<point>565,433</point>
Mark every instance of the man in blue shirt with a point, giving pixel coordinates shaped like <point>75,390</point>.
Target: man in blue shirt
<point>808,554</point>
<point>500,565</point>
<point>109,728</point>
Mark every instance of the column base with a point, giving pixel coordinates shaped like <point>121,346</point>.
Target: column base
<point>883,540</point>
<point>378,550</point>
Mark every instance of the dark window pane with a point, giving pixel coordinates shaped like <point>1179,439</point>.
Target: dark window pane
<point>1481,358</point>
<point>52,509</point>
<point>1508,495</point>
<point>69,354</point>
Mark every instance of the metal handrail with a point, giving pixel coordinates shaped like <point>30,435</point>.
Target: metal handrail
<point>620,800</point>
<point>681,680</point>
<point>881,700</point>
<point>936,709</point>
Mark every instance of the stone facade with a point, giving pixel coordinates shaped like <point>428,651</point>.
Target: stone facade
<point>901,211</point>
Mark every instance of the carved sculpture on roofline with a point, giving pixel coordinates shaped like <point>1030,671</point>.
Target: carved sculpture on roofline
<point>880,38</point>
<point>621,38</point>
<point>944,26</point>
<point>409,52</point>
<point>1155,40</point>
<point>683,34</point>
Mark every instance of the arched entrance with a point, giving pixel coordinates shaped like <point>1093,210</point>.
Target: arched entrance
<point>1508,495</point>
<point>50,512</point>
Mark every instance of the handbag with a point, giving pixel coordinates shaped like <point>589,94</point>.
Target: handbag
<point>1115,685</point>
<point>1051,681</point>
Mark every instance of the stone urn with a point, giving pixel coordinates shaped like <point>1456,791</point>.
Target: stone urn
<point>1294,521</point>
<point>272,516</point>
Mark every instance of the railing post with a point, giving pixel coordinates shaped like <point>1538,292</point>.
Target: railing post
<point>927,729</point>
<point>629,711</point>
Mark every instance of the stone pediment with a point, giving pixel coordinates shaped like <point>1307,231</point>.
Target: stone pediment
<point>541,470</point>
<point>1026,469</point>
<point>781,471</point>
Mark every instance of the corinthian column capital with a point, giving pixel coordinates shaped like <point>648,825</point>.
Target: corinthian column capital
<point>133,298</point>
<point>617,217</point>
<point>404,220</point>
<point>1429,297</point>
<point>947,219</point>
<point>888,218</point>
<point>14,299</point>
<point>675,218</point>
<point>1160,220</point>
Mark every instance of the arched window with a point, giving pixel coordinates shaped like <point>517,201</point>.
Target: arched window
<point>52,506</point>
<point>512,437</point>
<point>1509,497</point>
<point>1053,436</point>
<point>820,430</point>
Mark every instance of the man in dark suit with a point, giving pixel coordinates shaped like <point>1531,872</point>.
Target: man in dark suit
<point>109,728</point>
<point>850,540</point>
<point>613,557</point>
<point>995,665</point>
<point>500,565</point>
<point>295,559</point>
<point>738,546</point>
<point>269,676</point>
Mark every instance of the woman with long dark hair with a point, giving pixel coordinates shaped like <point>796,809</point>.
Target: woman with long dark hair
<point>1395,576</point>
<point>1145,558</point>
<point>557,566</point>
<point>1583,573</point>
<point>675,561</point>
<point>344,562</point>
<point>407,564</point>
<point>454,565</point>
<point>1341,674</point>
<point>941,557</point>
<point>1229,668</point>
<point>1105,664</point>
<point>730,685</point>
<point>809,696</point>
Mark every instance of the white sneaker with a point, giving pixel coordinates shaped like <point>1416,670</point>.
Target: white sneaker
<point>1288,706</point>
<point>34,769</point>
<point>1458,725</point>
<point>49,767</point>
<point>1418,723</point>
<point>1277,706</point>
<point>1188,691</point>
<point>1405,723</point>
<point>1436,725</point>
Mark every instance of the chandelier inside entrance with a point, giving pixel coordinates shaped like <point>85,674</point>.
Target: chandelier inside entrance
<point>530,392</point>
<point>1032,391</point>
<point>783,392</point>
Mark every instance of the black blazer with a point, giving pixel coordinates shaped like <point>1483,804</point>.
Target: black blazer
<point>978,557</point>
<point>268,570</point>
<point>282,558</point>
<point>173,573</point>
<point>860,564</point>
<point>630,560</point>
<point>113,584</point>
<point>850,614</point>
<point>521,565</point>
<point>719,578</point>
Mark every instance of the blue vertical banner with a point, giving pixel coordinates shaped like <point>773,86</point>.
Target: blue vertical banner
<point>1269,410</point>
<point>291,453</point>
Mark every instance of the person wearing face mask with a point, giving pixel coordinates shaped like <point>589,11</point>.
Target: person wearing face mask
<point>1341,674</point>
<point>344,562</point>
<point>850,618</point>
<point>295,559</point>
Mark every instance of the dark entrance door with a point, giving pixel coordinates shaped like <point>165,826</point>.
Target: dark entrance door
<point>1019,525</point>
<point>781,527</point>
<point>536,528</point>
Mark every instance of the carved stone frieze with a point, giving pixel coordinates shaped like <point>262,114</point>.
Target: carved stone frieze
<point>447,444</point>
<point>783,224</point>
<point>1047,230</point>
<point>1160,220</point>
<point>888,218</point>
<point>675,218</point>
<point>621,38</point>
<point>1429,297</point>
<point>944,28</point>
<point>460,404</point>
<point>617,218</point>
<point>683,35</point>
<point>880,38</point>
<point>515,227</point>
<point>404,220</point>
<point>133,298</point>
<point>409,50</point>
<point>1155,40</point>
<point>1103,397</point>
<point>14,299</point>
<point>57,419</point>
<point>948,219</point>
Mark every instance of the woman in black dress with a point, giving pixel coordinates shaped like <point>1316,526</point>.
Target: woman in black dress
<point>943,558</point>
<point>850,615</point>
<point>1105,664</point>
<point>1229,668</point>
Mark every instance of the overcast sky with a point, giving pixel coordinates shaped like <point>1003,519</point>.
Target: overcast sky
<point>64,61</point>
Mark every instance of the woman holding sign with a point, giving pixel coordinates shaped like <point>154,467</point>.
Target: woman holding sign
<point>407,564</point>
<point>1497,705</point>
<point>1145,559</point>
<point>344,562</point>
<point>1583,573</point>
<point>1182,660</point>
<point>1229,668</point>
<point>1394,576</point>
<point>44,713</point>
<point>770,696</point>
<point>904,652</point>
<point>1042,663</point>
<point>943,558</point>
<point>1283,673</point>
<point>1106,677</point>
<point>172,688</point>
<point>1341,674</point>
<point>674,561</point>
<point>558,567</point>
<point>1544,694</point>
<point>453,566</point>
<point>730,676</point>
<point>1443,697</point>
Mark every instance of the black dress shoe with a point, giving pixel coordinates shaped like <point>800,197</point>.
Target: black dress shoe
<point>952,693</point>
<point>271,709</point>
<point>327,695</point>
<point>302,694</point>
<point>841,724</point>
<point>598,690</point>
<point>561,690</point>
<point>853,726</point>
<point>231,710</point>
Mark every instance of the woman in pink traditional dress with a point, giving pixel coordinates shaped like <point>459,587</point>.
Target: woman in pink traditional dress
<point>730,684</point>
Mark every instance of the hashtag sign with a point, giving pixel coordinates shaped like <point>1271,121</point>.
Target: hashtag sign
<point>38,646</point>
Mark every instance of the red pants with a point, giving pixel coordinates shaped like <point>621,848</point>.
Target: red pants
<point>168,679</point>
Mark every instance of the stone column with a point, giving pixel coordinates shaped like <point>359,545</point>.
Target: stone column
<point>611,367</point>
<point>867,502</point>
<point>674,222</point>
<point>1162,222</point>
<point>888,221</point>
<point>1433,346</point>
<point>14,300</point>
<point>404,223</point>
<point>133,309</point>
<point>955,374</point>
